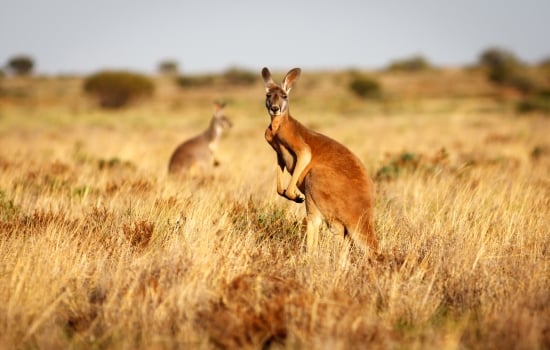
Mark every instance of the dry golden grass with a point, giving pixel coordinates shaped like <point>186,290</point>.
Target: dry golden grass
<point>100,248</point>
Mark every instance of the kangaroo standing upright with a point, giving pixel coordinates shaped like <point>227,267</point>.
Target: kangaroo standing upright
<point>334,181</point>
<point>196,155</point>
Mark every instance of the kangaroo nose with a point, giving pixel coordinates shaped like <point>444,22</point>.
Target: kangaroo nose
<point>275,108</point>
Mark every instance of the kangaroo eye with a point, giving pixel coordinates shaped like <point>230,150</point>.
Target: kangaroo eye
<point>268,95</point>
<point>285,97</point>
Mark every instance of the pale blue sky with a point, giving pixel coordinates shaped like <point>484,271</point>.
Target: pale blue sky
<point>76,36</point>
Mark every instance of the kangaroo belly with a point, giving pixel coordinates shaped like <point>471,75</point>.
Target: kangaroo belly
<point>338,193</point>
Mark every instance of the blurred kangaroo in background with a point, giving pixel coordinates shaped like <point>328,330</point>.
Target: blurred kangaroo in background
<point>334,181</point>
<point>196,155</point>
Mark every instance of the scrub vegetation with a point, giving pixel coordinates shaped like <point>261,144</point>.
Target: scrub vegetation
<point>101,248</point>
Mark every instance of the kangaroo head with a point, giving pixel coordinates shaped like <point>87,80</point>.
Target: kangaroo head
<point>276,98</point>
<point>219,120</point>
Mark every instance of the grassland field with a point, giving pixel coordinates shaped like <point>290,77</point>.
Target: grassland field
<point>100,248</point>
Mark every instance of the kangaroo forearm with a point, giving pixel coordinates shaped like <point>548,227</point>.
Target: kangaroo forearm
<point>302,162</point>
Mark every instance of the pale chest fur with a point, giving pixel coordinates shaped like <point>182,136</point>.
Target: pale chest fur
<point>213,146</point>
<point>289,157</point>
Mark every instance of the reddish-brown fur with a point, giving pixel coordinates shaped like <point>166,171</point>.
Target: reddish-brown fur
<point>335,183</point>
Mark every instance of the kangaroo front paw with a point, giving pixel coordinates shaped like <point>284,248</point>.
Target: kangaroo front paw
<point>298,198</point>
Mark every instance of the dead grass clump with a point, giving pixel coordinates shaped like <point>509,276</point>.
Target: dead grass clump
<point>109,230</point>
<point>268,222</point>
<point>166,203</point>
<point>97,219</point>
<point>112,187</point>
<point>139,234</point>
<point>500,138</point>
<point>469,160</point>
<point>5,164</point>
<point>461,290</point>
<point>141,185</point>
<point>8,209</point>
<point>124,185</point>
<point>147,299</point>
<point>46,179</point>
<point>83,304</point>
<point>22,225</point>
<point>115,164</point>
<point>252,311</point>
<point>540,151</point>
<point>519,320</point>
<point>409,162</point>
<point>39,220</point>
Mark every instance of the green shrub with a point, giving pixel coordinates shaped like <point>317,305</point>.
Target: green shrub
<point>365,87</point>
<point>115,89</point>
<point>412,64</point>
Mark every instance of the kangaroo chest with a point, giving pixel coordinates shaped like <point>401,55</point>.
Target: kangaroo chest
<point>285,153</point>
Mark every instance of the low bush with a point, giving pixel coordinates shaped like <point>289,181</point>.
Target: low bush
<point>115,89</point>
<point>195,81</point>
<point>412,64</point>
<point>231,77</point>
<point>365,87</point>
<point>238,76</point>
<point>536,102</point>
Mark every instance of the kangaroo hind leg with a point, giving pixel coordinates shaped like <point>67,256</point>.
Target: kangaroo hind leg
<point>314,220</point>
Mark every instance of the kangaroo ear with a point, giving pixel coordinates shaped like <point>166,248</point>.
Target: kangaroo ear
<point>290,79</point>
<point>268,80</point>
<point>218,107</point>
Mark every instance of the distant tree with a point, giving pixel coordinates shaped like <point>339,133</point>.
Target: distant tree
<point>505,69</point>
<point>498,57</point>
<point>21,65</point>
<point>115,89</point>
<point>168,67</point>
<point>502,65</point>
<point>411,64</point>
